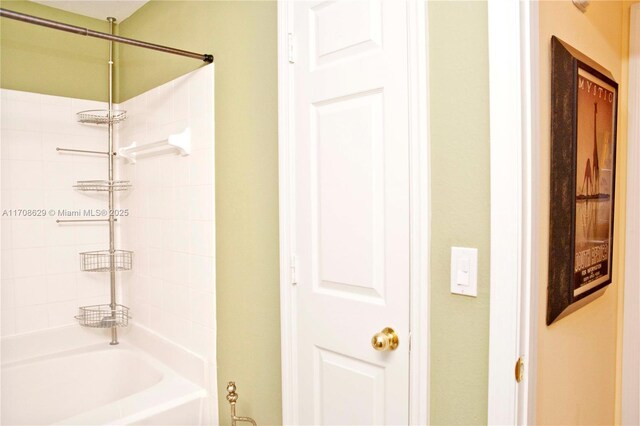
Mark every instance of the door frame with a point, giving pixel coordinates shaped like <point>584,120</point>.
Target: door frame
<point>631,336</point>
<point>419,215</point>
<point>514,116</point>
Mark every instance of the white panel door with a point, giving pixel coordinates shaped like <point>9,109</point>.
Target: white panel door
<point>351,144</point>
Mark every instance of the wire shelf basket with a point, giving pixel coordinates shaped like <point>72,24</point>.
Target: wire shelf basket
<point>102,316</point>
<point>102,185</point>
<point>101,116</point>
<point>104,261</point>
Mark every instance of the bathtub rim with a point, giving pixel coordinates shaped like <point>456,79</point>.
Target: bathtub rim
<point>173,390</point>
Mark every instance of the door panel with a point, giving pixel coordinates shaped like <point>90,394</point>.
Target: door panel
<point>337,376</point>
<point>344,29</point>
<point>351,210</point>
<point>350,197</point>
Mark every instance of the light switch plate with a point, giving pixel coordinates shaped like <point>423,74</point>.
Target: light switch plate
<point>464,271</point>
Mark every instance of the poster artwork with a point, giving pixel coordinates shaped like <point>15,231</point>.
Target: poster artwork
<point>596,102</point>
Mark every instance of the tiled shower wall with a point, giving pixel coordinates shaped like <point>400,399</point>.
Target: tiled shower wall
<point>171,227</point>
<point>42,285</point>
<point>170,222</point>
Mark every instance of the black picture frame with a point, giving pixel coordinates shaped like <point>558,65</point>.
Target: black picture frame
<point>579,217</point>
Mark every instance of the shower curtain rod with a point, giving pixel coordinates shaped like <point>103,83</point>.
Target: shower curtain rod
<point>5,13</point>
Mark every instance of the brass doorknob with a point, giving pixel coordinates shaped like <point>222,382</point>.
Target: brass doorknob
<point>386,340</point>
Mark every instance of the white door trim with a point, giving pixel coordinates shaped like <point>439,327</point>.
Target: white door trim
<point>631,338</point>
<point>419,213</point>
<point>286,192</point>
<point>514,129</point>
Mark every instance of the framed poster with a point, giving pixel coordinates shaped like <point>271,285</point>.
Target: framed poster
<point>584,100</point>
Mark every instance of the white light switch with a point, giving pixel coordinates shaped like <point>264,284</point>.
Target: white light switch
<point>464,271</point>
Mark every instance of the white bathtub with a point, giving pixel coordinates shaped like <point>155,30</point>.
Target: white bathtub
<point>90,385</point>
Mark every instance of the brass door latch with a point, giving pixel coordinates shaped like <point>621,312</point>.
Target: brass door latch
<point>519,370</point>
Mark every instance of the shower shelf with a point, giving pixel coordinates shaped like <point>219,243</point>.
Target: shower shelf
<point>102,185</point>
<point>104,261</point>
<point>179,142</point>
<point>102,316</point>
<point>101,116</point>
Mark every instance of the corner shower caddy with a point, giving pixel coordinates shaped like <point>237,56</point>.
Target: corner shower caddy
<point>113,314</point>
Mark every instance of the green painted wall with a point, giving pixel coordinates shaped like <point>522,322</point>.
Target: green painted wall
<point>461,207</point>
<point>38,59</point>
<point>242,36</point>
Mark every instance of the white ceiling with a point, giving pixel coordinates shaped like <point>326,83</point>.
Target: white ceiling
<point>99,9</point>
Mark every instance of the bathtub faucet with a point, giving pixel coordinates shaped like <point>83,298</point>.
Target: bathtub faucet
<point>232,397</point>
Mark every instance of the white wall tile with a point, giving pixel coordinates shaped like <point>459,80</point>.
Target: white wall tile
<point>19,95</point>
<point>160,105</point>
<point>59,199</point>
<point>176,299</point>
<point>62,313</point>
<point>26,174</point>
<point>201,167</point>
<point>28,233</point>
<point>8,322</point>
<point>61,259</point>
<point>57,117</point>
<point>31,318</point>
<point>201,240</point>
<point>201,273</point>
<point>27,199</point>
<point>182,235</point>
<point>61,287</point>
<point>201,202</point>
<point>155,292</point>
<point>5,174</point>
<point>8,294</point>
<point>180,330</point>
<point>142,314</point>
<point>29,262</point>
<point>88,170</point>
<point>92,233</point>
<point>21,115</point>
<point>58,234</point>
<point>5,233</point>
<point>179,274</point>
<point>201,308</point>
<point>142,259</point>
<point>55,100</point>
<point>203,341</point>
<point>5,153</point>
<point>200,93</point>
<point>140,291</point>
<point>155,263</point>
<point>181,100</point>
<point>182,173</point>
<point>155,229</point>
<point>51,141</point>
<point>59,175</point>
<point>30,291</point>
<point>7,269</point>
<point>92,284</point>
<point>201,132</point>
<point>182,208</point>
<point>173,207</point>
<point>22,144</point>
<point>40,262</point>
